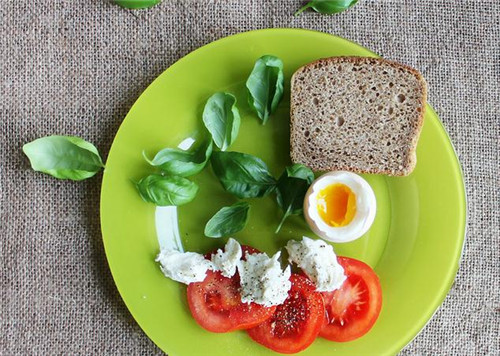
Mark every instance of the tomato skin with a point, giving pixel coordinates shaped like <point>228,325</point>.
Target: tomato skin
<point>352,310</point>
<point>295,323</point>
<point>215,303</point>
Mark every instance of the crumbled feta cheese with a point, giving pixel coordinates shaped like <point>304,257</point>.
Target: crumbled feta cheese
<point>317,259</point>
<point>225,261</point>
<point>184,267</point>
<point>262,280</point>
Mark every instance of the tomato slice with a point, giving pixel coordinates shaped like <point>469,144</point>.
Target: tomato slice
<point>353,309</point>
<point>216,303</point>
<point>251,250</point>
<point>295,323</point>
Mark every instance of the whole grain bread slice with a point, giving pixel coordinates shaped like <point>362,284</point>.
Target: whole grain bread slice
<point>357,114</point>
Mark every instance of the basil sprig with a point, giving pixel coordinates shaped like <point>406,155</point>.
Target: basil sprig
<point>166,190</point>
<point>222,119</point>
<point>228,220</point>
<point>291,190</point>
<point>64,157</point>
<point>137,4</point>
<point>327,6</point>
<point>243,175</point>
<point>173,161</point>
<point>265,86</point>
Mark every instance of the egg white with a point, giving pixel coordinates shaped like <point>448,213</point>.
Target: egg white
<point>366,207</point>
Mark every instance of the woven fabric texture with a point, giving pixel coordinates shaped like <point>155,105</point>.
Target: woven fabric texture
<point>75,67</point>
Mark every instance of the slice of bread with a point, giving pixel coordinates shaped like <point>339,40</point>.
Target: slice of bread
<point>356,114</point>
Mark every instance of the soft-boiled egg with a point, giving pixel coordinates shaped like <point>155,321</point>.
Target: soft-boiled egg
<point>340,206</point>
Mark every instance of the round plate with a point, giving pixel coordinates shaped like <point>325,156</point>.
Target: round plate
<point>414,244</point>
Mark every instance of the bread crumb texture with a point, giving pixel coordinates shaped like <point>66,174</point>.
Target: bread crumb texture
<point>357,114</point>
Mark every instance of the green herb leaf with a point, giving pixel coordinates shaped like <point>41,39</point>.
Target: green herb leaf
<point>222,119</point>
<point>136,4</point>
<point>291,190</point>
<point>166,190</point>
<point>64,157</point>
<point>327,6</point>
<point>176,162</point>
<point>243,175</point>
<point>265,86</point>
<point>228,220</point>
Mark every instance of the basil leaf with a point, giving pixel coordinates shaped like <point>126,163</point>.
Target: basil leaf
<point>222,119</point>
<point>327,6</point>
<point>64,157</point>
<point>243,175</point>
<point>228,220</point>
<point>166,190</point>
<point>174,161</point>
<point>136,4</point>
<point>291,190</point>
<point>265,86</point>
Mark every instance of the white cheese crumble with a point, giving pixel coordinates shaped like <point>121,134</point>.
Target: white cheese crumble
<point>225,261</point>
<point>317,259</point>
<point>262,280</point>
<point>184,267</point>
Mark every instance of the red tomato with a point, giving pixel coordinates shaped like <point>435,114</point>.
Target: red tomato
<point>216,303</point>
<point>251,250</point>
<point>353,309</point>
<point>295,323</point>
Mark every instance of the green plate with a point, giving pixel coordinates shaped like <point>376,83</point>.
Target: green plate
<point>414,244</point>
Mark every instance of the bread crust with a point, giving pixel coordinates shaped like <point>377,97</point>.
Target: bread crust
<point>411,161</point>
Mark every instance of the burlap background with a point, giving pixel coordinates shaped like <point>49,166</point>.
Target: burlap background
<point>75,67</point>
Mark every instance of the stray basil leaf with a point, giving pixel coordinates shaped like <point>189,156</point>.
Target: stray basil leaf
<point>243,175</point>
<point>265,86</point>
<point>291,190</point>
<point>176,162</point>
<point>64,157</point>
<point>222,119</point>
<point>166,190</point>
<point>228,220</point>
<point>327,6</point>
<point>136,4</point>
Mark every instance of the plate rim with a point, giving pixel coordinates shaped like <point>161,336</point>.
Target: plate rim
<point>462,187</point>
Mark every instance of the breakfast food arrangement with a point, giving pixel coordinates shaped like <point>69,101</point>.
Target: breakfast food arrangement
<point>284,203</point>
<point>265,180</point>
<point>348,115</point>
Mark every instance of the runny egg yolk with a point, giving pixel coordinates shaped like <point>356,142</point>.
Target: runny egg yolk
<point>336,204</point>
